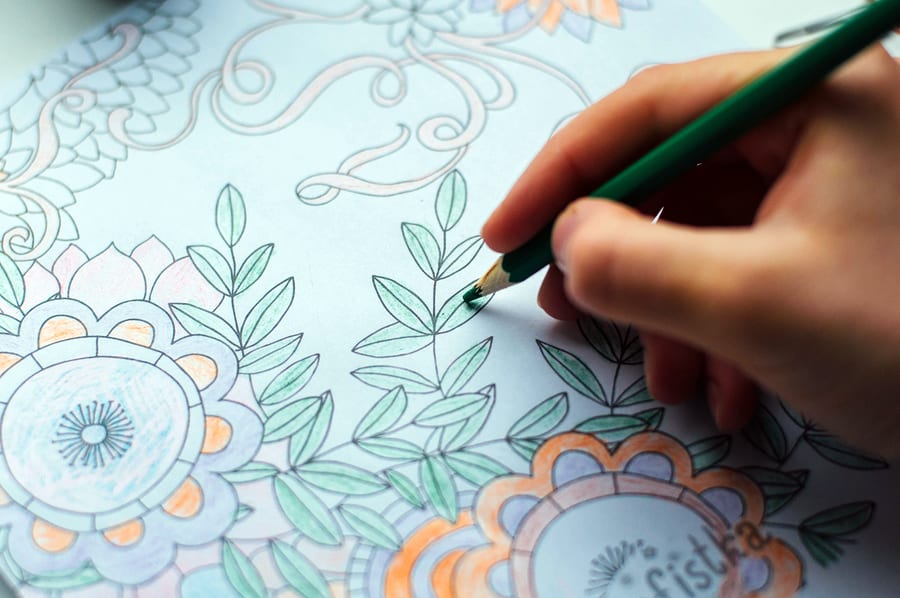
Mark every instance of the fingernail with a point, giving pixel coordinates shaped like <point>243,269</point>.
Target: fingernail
<point>562,231</point>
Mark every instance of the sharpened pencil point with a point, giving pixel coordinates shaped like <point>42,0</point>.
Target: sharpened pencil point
<point>472,294</point>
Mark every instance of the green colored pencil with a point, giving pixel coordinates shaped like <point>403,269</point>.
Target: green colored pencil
<point>722,124</point>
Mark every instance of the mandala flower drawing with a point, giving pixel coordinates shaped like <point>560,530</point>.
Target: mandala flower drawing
<point>419,19</point>
<point>576,16</point>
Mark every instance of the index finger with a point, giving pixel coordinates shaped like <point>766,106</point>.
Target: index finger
<point>610,134</point>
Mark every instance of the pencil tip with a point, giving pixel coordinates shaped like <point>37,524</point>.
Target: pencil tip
<point>472,294</point>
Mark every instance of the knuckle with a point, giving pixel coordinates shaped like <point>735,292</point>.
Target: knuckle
<point>591,271</point>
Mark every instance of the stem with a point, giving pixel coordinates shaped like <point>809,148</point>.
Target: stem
<point>612,398</point>
<point>793,526</point>
<point>434,335</point>
<point>237,327</point>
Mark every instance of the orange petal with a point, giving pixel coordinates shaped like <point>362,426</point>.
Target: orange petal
<point>125,534</point>
<point>134,331</point>
<point>186,501</point>
<point>60,328</point>
<point>507,5</point>
<point>606,11</point>
<point>551,18</point>
<point>200,368</point>
<point>7,360</point>
<point>218,434</point>
<point>50,538</point>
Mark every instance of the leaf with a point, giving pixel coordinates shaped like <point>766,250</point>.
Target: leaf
<point>270,356</point>
<point>290,381</point>
<point>612,428</point>
<point>306,511</point>
<point>391,448</point>
<point>213,266</point>
<point>241,573</point>
<point>393,340</point>
<point>371,526</point>
<point>451,410</point>
<point>383,414</point>
<point>450,202</point>
<point>267,313</point>
<point>455,311</point>
<point>290,419</point>
<point>709,451</point>
<point>242,511</point>
<point>439,487</point>
<point>840,521</point>
<point>66,580</point>
<point>525,447</point>
<point>305,442</point>
<point>765,433</point>
<point>541,418</point>
<point>653,417</point>
<point>405,488</point>
<point>387,377</point>
<point>8,324</point>
<point>475,467</point>
<point>634,394</point>
<point>406,307</point>
<point>832,449</point>
<point>455,436</point>
<point>778,487</point>
<point>197,320</point>
<point>823,550</point>
<point>458,258</point>
<point>619,344</point>
<point>464,367</point>
<point>573,372</point>
<point>423,247</point>
<point>12,285</point>
<point>252,268</point>
<point>230,215</point>
<point>298,571</point>
<point>340,477</point>
<point>255,470</point>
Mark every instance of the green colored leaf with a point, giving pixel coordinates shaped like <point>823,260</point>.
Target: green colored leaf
<point>255,470</point>
<point>406,488</point>
<point>458,434</point>
<point>778,487</point>
<point>573,372</point>
<point>634,394</point>
<point>391,448</point>
<point>458,258</point>
<point>823,550</point>
<point>541,418</point>
<point>197,320</point>
<point>340,477</point>
<point>298,571</point>
<point>440,490</point>
<point>371,526</point>
<point>290,381</point>
<point>231,215</point>
<point>617,343</point>
<point>243,511</point>
<point>653,417</point>
<point>458,373</point>
<point>450,202</point>
<point>8,324</point>
<point>290,418</point>
<point>267,313</point>
<point>765,433</point>
<point>832,449</point>
<point>393,340</point>
<point>525,447</point>
<point>383,414</point>
<point>403,304</point>
<point>423,247</point>
<point>840,521</point>
<point>241,573</point>
<point>455,311</point>
<point>475,467</point>
<point>709,451</point>
<point>270,356</point>
<point>67,580</point>
<point>12,285</point>
<point>252,268</point>
<point>612,428</point>
<point>213,266</point>
<point>387,377</point>
<point>306,511</point>
<point>451,410</point>
<point>307,441</point>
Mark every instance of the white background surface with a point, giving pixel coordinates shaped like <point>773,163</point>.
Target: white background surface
<point>31,30</point>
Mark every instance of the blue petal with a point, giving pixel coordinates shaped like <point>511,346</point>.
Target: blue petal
<point>578,25</point>
<point>516,18</point>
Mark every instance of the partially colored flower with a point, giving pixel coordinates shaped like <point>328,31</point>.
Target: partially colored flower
<point>419,19</point>
<point>576,16</point>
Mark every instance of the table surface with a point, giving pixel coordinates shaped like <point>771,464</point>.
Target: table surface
<point>32,30</point>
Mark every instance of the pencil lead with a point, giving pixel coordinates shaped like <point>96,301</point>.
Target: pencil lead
<point>472,294</point>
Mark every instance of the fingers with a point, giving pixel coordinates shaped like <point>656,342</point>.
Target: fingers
<point>552,298</point>
<point>610,134</point>
<point>731,395</point>
<point>673,369</point>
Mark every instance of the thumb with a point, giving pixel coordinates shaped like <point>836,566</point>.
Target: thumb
<point>706,287</point>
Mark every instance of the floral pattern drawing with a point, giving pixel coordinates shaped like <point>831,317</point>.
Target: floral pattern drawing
<point>251,389</point>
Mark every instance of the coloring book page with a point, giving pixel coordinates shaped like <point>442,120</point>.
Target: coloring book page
<point>234,358</point>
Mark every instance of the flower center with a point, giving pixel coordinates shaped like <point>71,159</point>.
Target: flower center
<point>93,434</point>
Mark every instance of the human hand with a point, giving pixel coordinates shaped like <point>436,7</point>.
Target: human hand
<point>780,260</point>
